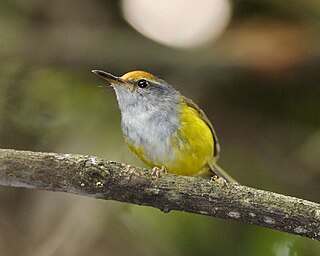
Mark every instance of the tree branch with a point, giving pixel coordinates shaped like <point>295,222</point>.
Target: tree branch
<point>94,177</point>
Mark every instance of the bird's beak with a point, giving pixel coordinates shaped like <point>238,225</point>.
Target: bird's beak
<point>111,78</point>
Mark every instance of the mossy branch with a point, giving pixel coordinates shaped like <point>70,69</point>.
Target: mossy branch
<point>98,178</point>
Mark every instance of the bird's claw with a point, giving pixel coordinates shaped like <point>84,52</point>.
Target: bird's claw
<point>221,181</point>
<point>156,171</point>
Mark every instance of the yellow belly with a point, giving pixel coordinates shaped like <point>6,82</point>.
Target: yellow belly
<point>192,146</point>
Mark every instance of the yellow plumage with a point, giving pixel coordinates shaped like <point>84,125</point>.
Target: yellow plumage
<point>193,144</point>
<point>164,128</point>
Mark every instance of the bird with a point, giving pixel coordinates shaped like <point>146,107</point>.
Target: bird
<point>166,130</point>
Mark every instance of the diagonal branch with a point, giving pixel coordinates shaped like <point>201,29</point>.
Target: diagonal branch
<point>94,177</point>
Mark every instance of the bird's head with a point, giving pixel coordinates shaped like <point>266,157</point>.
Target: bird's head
<point>140,88</point>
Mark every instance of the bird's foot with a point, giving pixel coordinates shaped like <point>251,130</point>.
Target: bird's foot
<point>221,181</point>
<point>156,171</point>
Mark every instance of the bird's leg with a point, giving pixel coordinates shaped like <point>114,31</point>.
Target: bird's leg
<point>156,171</point>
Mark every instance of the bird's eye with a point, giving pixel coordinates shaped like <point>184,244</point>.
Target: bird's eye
<point>143,83</point>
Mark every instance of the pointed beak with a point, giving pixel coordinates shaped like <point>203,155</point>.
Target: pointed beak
<point>111,78</point>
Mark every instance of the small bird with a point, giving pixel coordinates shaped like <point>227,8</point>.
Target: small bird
<point>166,130</point>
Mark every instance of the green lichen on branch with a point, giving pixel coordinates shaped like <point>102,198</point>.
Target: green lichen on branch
<point>98,178</point>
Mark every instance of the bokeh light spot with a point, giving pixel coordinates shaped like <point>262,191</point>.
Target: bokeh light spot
<point>178,23</point>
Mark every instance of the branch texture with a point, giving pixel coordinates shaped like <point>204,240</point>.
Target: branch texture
<point>94,177</point>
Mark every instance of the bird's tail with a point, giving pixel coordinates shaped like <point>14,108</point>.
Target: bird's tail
<point>218,171</point>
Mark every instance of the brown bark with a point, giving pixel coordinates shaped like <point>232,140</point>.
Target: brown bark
<point>98,178</point>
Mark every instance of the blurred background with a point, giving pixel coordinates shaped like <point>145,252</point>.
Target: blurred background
<point>252,65</point>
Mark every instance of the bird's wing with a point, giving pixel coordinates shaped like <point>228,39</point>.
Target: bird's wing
<point>193,105</point>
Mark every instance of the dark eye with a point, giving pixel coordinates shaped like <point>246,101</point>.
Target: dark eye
<point>143,83</point>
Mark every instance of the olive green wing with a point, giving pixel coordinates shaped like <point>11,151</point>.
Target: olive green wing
<point>216,146</point>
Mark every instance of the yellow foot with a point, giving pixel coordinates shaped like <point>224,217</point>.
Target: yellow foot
<point>156,171</point>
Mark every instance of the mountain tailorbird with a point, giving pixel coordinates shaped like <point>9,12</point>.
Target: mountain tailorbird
<point>163,128</point>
